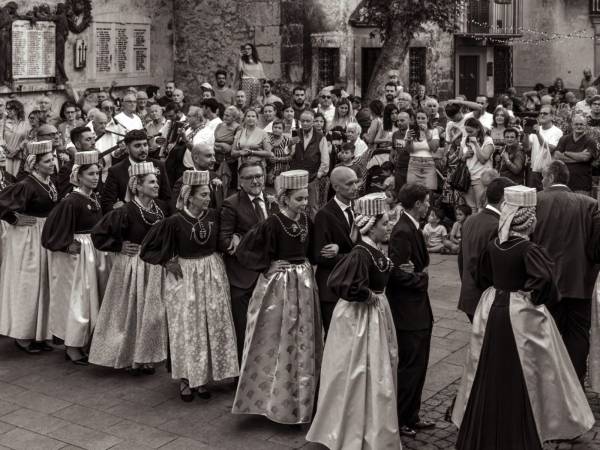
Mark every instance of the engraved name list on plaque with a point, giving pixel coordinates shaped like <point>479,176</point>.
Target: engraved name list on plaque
<point>33,50</point>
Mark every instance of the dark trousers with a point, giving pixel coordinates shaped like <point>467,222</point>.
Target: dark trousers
<point>534,180</point>
<point>573,317</point>
<point>470,317</point>
<point>413,357</point>
<point>240,299</point>
<point>327,313</point>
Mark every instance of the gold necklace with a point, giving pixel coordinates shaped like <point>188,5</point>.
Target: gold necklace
<point>297,229</point>
<point>51,191</point>
<point>383,264</point>
<point>199,233</point>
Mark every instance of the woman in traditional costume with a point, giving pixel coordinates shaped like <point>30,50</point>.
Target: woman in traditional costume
<point>131,331</point>
<point>78,272</point>
<point>24,296</point>
<point>201,332</point>
<point>357,394</point>
<point>284,339</point>
<point>519,388</point>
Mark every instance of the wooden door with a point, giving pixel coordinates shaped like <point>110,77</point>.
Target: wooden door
<point>468,76</point>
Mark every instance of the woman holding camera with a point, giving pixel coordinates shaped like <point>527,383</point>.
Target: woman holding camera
<point>477,151</point>
<point>423,141</point>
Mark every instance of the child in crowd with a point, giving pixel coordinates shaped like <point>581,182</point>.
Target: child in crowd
<point>452,242</point>
<point>434,232</point>
<point>387,175</point>
<point>345,157</point>
<point>396,208</point>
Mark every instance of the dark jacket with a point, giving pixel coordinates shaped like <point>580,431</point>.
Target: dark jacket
<point>407,292</point>
<point>477,232</point>
<point>238,216</point>
<point>331,227</point>
<point>565,228</point>
<point>115,187</point>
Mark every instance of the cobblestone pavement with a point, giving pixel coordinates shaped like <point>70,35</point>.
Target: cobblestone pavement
<point>47,403</point>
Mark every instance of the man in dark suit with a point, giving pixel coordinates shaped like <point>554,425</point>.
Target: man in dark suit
<point>478,230</point>
<point>203,157</point>
<point>409,302</point>
<point>565,228</point>
<point>332,241</point>
<point>114,193</point>
<point>239,214</point>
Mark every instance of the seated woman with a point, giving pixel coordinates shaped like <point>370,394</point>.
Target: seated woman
<point>519,388</point>
<point>361,353</point>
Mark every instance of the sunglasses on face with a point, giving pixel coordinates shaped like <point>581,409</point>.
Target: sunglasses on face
<point>325,96</point>
<point>252,177</point>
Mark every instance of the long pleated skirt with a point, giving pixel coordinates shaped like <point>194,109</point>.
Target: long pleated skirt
<point>201,332</point>
<point>132,325</point>
<point>24,283</point>
<point>357,396</point>
<point>283,348</point>
<point>77,285</point>
<point>519,388</point>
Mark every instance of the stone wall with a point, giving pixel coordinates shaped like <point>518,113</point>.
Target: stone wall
<point>562,58</point>
<point>209,34</point>
<point>159,11</point>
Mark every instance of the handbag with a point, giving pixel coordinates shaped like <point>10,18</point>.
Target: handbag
<point>460,179</point>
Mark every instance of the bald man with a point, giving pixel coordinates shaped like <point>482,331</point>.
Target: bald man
<point>203,158</point>
<point>124,122</point>
<point>332,241</point>
<point>179,99</point>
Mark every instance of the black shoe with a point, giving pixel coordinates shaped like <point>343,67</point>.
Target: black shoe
<point>83,361</point>
<point>43,346</point>
<point>183,387</point>
<point>423,425</point>
<point>28,349</point>
<point>203,393</point>
<point>147,370</point>
<point>407,431</point>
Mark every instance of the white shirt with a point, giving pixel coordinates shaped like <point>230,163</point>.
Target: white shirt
<point>344,208</point>
<point>129,123</point>
<point>360,147</point>
<point>552,135</point>
<point>487,120</point>
<point>583,107</point>
<point>263,204</point>
<point>491,208</point>
<point>204,136</point>
<point>412,219</point>
<point>328,114</point>
<point>452,129</point>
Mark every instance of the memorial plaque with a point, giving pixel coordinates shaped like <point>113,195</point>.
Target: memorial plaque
<point>104,39</point>
<point>140,49</point>
<point>33,49</point>
<point>121,49</point>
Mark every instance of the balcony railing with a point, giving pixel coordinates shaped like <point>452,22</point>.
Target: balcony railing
<point>488,17</point>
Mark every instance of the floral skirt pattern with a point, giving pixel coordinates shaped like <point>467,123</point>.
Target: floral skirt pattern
<point>201,332</point>
<point>132,324</point>
<point>283,348</point>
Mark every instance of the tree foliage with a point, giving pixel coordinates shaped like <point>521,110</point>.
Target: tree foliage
<point>398,21</point>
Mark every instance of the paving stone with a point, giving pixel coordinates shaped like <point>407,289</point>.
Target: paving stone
<point>184,444</point>
<point>7,407</point>
<point>130,445</point>
<point>34,421</point>
<point>5,427</point>
<point>20,439</point>
<point>39,402</point>
<point>147,397</point>
<point>85,437</point>
<point>88,417</point>
<point>9,390</point>
<point>441,331</point>
<point>149,436</point>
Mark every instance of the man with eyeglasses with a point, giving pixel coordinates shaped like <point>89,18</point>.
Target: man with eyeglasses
<point>127,120</point>
<point>545,134</point>
<point>593,119</point>
<point>578,150</point>
<point>299,101</point>
<point>326,107</point>
<point>241,212</point>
